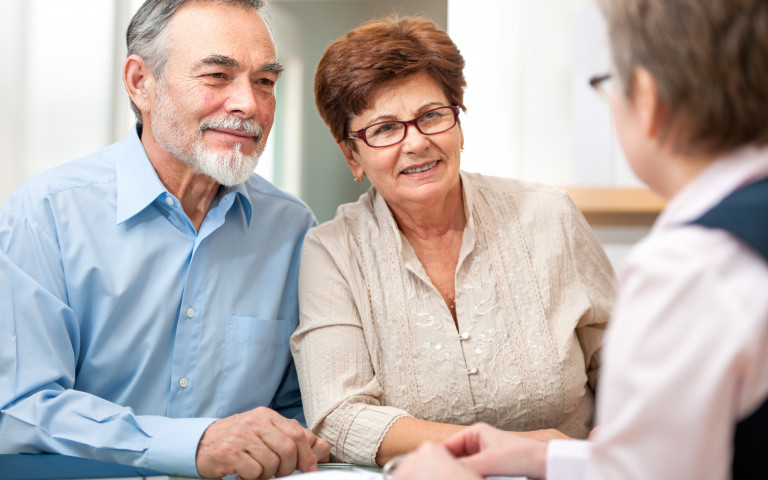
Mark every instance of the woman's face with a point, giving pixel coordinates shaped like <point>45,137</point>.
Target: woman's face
<point>420,169</point>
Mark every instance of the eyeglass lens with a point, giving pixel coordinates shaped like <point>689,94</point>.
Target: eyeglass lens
<point>389,133</point>
<point>603,85</point>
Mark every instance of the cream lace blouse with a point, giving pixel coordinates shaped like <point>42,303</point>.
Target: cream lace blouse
<point>376,341</point>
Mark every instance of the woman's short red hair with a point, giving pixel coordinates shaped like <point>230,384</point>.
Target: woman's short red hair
<point>357,65</point>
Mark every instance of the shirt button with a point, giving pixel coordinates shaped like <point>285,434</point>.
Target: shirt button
<point>183,382</point>
<point>479,408</point>
<point>472,371</point>
<point>169,200</point>
<point>464,335</point>
<point>190,312</point>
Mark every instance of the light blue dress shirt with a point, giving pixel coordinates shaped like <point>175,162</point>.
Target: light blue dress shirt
<point>123,331</point>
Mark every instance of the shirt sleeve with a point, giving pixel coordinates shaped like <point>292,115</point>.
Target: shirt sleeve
<point>598,282</point>
<point>568,460</point>
<point>287,400</point>
<point>41,409</point>
<point>342,397</point>
<point>683,357</point>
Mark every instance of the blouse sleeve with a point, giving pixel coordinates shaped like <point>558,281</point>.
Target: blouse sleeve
<point>598,282</point>
<point>342,396</point>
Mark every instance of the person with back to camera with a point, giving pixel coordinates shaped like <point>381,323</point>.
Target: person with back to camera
<point>440,297</point>
<point>148,291</point>
<point>684,389</point>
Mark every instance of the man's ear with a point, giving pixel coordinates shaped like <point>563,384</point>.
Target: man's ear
<point>349,155</point>
<point>645,100</point>
<point>139,82</point>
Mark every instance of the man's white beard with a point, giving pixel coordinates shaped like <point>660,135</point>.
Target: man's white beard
<point>227,167</point>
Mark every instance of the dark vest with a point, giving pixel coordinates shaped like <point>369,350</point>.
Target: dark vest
<point>744,214</point>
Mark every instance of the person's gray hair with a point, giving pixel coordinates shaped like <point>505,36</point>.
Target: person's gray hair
<point>146,33</point>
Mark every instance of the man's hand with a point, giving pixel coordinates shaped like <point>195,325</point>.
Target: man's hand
<point>259,444</point>
<point>488,451</point>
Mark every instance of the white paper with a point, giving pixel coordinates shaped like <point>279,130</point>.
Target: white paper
<point>333,474</point>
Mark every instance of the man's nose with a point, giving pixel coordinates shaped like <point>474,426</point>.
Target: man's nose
<point>242,100</point>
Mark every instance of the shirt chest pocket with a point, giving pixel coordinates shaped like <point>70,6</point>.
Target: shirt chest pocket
<point>256,355</point>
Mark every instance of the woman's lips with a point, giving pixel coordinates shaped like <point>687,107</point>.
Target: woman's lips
<point>420,168</point>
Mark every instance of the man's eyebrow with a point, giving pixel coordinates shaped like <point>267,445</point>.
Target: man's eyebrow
<point>274,67</point>
<point>225,61</point>
<point>215,59</point>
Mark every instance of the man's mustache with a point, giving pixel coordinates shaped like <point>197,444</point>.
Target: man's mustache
<point>248,126</point>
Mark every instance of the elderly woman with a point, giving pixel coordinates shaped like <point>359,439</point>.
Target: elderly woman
<point>440,298</point>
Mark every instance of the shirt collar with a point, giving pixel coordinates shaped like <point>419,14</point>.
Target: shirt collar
<point>241,191</point>
<point>469,200</point>
<point>725,175</point>
<point>138,184</point>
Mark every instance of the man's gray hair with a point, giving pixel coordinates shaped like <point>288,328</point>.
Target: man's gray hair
<point>146,32</point>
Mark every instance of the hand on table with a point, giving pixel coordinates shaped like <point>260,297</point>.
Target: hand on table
<point>488,451</point>
<point>259,443</point>
<point>431,461</point>
<point>543,435</point>
<point>480,451</point>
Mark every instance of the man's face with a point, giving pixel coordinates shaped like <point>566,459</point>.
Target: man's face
<point>214,106</point>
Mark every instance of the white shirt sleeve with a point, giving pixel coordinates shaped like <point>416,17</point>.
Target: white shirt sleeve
<point>568,459</point>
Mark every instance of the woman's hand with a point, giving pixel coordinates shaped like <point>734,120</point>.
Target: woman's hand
<point>481,451</point>
<point>488,451</point>
<point>431,461</point>
<point>544,435</point>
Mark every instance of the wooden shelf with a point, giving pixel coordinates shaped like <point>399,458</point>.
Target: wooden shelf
<point>617,206</point>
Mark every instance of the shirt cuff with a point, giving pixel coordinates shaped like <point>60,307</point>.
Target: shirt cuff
<point>568,459</point>
<point>173,448</point>
<point>366,433</point>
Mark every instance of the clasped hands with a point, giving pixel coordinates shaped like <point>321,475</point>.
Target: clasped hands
<point>258,444</point>
<point>479,451</point>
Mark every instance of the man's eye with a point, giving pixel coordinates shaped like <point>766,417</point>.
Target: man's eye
<point>268,82</point>
<point>216,75</point>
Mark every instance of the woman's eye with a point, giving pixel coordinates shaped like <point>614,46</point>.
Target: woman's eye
<point>432,116</point>
<point>384,128</point>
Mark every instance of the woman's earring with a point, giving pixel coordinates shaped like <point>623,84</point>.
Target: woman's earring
<point>359,179</point>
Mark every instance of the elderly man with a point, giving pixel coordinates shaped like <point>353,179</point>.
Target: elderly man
<point>148,291</point>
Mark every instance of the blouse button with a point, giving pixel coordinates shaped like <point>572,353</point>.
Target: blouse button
<point>464,335</point>
<point>472,371</point>
<point>479,408</point>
